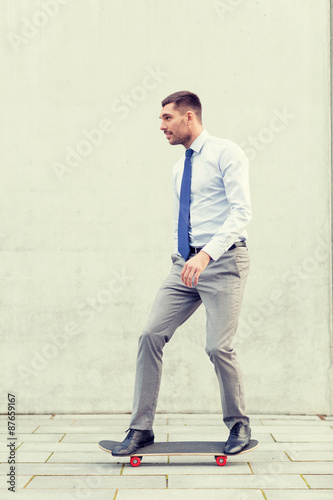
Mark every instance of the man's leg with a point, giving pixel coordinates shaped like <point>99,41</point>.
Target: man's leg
<point>173,305</point>
<point>221,288</point>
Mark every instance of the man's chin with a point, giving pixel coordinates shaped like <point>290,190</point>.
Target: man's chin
<point>173,141</point>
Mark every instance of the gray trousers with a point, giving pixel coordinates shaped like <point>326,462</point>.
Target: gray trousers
<point>220,288</point>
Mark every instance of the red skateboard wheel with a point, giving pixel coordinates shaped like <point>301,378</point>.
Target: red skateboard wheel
<point>135,461</point>
<point>221,460</point>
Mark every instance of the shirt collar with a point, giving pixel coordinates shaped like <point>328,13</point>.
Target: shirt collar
<point>199,141</point>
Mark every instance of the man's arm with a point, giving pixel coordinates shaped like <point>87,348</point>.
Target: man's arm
<point>175,213</point>
<point>234,167</point>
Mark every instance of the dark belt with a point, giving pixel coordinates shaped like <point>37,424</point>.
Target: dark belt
<point>235,245</point>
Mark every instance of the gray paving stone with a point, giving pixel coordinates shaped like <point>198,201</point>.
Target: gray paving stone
<point>295,446</point>
<point>217,430</point>
<point>60,494</point>
<point>312,456</point>
<point>19,429</point>
<point>95,416</point>
<point>320,481</point>
<point>239,481</point>
<point>63,446</point>
<point>123,423</point>
<point>269,416</point>
<point>298,494</point>
<point>115,421</point>
<point>214,494</point>
<point>308,437</point>
<point>292,467</point>
<point>293,429</point>
<point>39,421</point>
<point>80,457</point>
<point>4,447</point>
<point>195,418</point>
<point>20,481</point>
<point>50,438</point>
<point>95,438</point>
<point>63,469</point>
<point>91,438</point>
<point>25,416</point>
<point>87,429</point>
<point>203,420</point>
<point>96,482</point>
<point>189,415</point>
<point>294,422</point>
<point>29,456</point>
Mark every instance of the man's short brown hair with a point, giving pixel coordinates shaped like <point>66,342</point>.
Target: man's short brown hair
<point>185,99</point>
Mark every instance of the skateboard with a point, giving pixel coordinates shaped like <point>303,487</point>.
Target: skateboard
<point>179,448</point>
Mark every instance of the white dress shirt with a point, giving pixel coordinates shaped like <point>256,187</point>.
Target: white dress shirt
<point>220,206</point>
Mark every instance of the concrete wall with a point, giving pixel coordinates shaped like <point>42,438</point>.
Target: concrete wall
<point>86,199</point>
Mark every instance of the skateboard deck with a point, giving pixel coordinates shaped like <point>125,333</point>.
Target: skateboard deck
<point>179,448</point>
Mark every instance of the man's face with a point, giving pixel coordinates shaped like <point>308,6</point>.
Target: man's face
<point>174,125</point>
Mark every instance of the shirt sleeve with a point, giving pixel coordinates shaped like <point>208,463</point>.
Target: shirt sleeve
<point>175,212</point>
<point>234,167</point>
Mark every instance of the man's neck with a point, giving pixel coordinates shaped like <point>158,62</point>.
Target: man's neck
<point>194,135</point>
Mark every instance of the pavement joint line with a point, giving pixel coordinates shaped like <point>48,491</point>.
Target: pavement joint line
<point>18,446</point>
<point>122,470</point>
<point>75,419</point>
<point>248,463</point>
<point>263,493</point>
<point>28,482</point>
<point>167,482</point>
<point>48,457</point>
<point>305,481</point>
<point>62,437</point>
<point>38,426</point>
<point>115,495</point>
<point>291,460</point>
<point>275,441</point>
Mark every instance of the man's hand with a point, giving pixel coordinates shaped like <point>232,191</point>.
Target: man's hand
<point>194,267</point>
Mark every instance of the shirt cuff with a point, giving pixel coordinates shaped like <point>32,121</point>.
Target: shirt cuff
<point>214,249</point>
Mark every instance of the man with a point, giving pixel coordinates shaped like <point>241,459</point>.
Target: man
<point>210,266</point>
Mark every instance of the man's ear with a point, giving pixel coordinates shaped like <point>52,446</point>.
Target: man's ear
<point>190,116</point>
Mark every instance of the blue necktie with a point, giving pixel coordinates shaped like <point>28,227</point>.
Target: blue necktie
<point>184,207</point>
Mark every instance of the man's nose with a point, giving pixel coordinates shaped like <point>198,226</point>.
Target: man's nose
<point>163,126</point>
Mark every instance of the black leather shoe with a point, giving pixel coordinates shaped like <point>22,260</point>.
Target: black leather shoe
<point>135,439</point>
<point>238,439</point>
